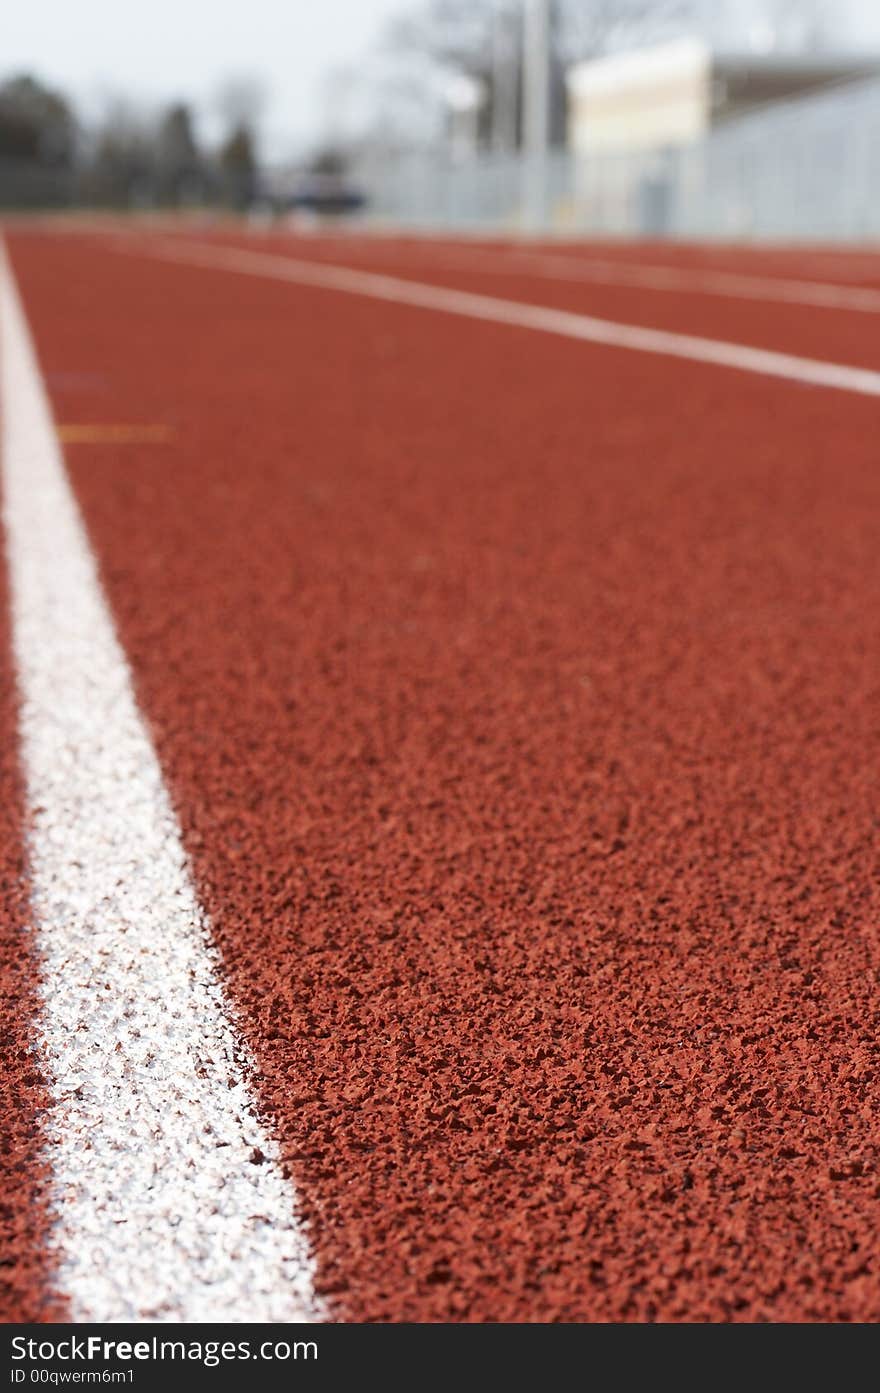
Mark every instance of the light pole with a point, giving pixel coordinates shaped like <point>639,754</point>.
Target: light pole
<point>464,97</point>
<point>505,77</point>
<point>536,110</point>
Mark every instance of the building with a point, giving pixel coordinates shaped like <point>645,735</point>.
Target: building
<point>675,93</point>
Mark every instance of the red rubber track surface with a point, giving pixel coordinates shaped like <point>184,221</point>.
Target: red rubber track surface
<point>839,336</point>
<point>519,700</point>
<point>856,266</point>
<point>25,1285</point>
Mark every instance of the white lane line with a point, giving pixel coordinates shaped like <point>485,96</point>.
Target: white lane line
<point>557,266</point>
<point>741,357</point>
<point>723,284</point>
<point>168,1196</point>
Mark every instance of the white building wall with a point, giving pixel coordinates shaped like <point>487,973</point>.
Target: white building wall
<point>649,100</point>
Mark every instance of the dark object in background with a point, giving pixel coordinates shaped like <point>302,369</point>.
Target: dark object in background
<point>38,138</point>
<point>325,193</point>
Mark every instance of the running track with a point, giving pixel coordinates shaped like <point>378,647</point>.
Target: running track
<point>516,697</point>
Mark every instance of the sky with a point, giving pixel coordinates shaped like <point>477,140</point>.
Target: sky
<point>153,51</point>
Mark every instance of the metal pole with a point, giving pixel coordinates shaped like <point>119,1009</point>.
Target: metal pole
<point>504,79</point>
<point>536,110</point>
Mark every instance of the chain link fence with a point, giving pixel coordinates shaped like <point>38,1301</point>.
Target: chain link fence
<point>808,168</point>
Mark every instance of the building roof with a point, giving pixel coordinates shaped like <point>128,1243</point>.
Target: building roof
<point>635,67</point>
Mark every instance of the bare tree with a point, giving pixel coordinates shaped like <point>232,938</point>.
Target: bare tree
<point>241,101</point>
<point>482,39</point>
<point>587,28</point>
<point>477,39</point>
<point>177,156</point>
<point>238,166</point>
<point>460,33</point>
<point>456,34</point>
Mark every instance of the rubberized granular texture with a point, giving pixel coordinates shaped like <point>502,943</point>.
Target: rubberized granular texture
<point>25,1285</point>
<point>519,701</point>
<point>838,336</point>
<point>828,261</point>
<point>801,262</point>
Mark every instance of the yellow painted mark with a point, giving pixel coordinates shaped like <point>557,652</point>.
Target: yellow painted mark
<point>114,435</point>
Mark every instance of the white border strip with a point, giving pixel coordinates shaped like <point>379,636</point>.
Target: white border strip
<point>516,260</point>
<point>169,1200</point>
<point>732,285</point>
<point>763,361</point>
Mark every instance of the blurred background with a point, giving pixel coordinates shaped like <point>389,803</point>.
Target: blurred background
<point>660,118</point>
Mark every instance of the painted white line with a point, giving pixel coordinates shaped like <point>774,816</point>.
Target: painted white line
<point>724,284</point>
<point>553,265</point>
<point>169,1200</point>
<point>741,357</point>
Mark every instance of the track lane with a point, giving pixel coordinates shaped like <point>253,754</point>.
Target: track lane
<point>588,263</point>
<point>826,334</point>
<point>855,265</point>
<point>532,740</point>
<point>167,1199</point>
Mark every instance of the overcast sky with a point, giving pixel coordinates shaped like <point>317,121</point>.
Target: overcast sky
<point>155,50</point>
